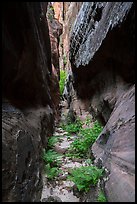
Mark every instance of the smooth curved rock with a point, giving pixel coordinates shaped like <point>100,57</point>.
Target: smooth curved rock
<point>116,147</point>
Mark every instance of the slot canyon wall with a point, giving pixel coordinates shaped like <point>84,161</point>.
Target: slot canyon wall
<point>102,56</point>
<point>28,105</point>
<point>55,30</point>
<point>65,13</point>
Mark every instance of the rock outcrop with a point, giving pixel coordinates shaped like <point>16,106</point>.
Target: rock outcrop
<point>68,13</point>
<point>55,30</point>
<point>102,55</point>
<point>24,135</point>
<point>28,108</point>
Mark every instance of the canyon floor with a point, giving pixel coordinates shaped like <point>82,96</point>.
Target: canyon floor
<point>61,189</point>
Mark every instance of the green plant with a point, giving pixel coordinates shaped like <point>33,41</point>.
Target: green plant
<point>51,172</point>
<point>50,17</point>
<point>51,8</point>
<point>88,161</point>
<point>73,155</point>
<point>85,176</point>
<point>50,13</point>
<point>63,76</point>
<point>101,197</point>
<point>52,160</point>
<point>52,157</point>
<point>87,121</point>
<point>52,141</point>
<point>72,127</point>
<point>87,136</point>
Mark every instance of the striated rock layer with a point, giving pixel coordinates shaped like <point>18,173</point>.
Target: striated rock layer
<point>28,108</point>
<point>102,55</point>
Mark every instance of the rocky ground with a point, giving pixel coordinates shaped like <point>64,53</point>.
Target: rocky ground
<point>61,189</point>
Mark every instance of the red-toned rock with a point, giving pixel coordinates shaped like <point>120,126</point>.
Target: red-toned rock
<point>55,30</point>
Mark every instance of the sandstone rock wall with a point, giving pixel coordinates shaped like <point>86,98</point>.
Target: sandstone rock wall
<point>24,29</point>
<point>55,30</point>
<point>102,55</point>
<point>27,106</point>
<point>69,11</point>
<point>66,13</point>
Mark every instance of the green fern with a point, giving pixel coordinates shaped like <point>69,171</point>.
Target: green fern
<point>101,197</point>
<point>85,176</point>
<point>52,172</point>
<point>72,127</point>
<point>87,136</point>
<point>52,141</point>
<point>52,157</point>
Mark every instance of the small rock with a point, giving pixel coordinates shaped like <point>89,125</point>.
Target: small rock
<point>77,160</point>
<point>59,150</point>
<point>63,177</point>
<point>52,199</point>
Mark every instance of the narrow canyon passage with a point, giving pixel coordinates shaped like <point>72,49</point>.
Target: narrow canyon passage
<point>68,102</point>
<point>69,149</point>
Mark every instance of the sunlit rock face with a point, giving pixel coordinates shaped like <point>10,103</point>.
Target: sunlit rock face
<point>27,108</point>
<point>58,9</point>
<point>66,13</point>
<point>102,55</point>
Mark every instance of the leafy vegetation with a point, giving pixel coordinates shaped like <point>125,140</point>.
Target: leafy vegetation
<point>63,76</point>
<point>101,197</point>
<point>52,157</point>
<point>85,176</point>
<point>81,145</point>
<point>87,121</point>
<point>72,127</point>
<point>52,141</point>
<point>52,172</point>
<point>52,160</point>
<point>50,13</point>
